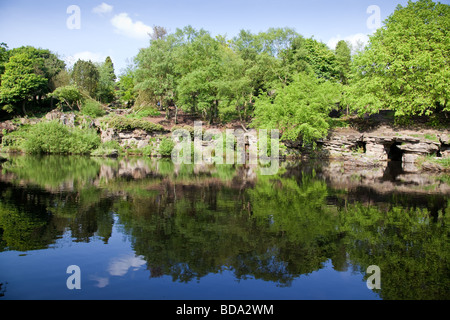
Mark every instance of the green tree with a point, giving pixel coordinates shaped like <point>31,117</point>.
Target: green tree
<point>126,86</point>
<point>86,76</point>
<point>106,81</point>
<point>46,64</point>
<point>20,82</point>
<point>405,66</point>
<point>4,57</point>
<point>198,89</point>
<point>344,60</point>
<point>69,95</point>
<point>299,110</point>
<point>154,73</point>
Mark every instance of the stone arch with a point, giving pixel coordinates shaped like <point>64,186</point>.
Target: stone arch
<point>394,152</point>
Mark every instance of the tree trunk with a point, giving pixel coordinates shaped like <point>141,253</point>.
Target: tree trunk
<point>23,108</point>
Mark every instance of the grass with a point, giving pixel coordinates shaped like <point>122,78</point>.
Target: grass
<point>144,112</point>
<point>431,137</point>
<point>442,162</point>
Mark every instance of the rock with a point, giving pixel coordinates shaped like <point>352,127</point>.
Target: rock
<point>419,148</point>
<point>410,157</point>
<point>433,166</point>
<point>67,119</point>
<point>444,138</point>
<point>384,143</point>
<point>376,151</point>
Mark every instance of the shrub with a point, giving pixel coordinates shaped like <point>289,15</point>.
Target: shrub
<point>126,124</point>
<point>108,148</point>
<point>53,138</point>
<point>92,108</point>
<point>165,147</point>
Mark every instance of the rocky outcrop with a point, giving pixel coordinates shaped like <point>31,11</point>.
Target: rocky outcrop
<point>386,143</point>
<point>134,138</point>
<point>65,118</point>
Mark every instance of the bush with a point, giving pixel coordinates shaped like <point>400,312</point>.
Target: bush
<point>165,147</point>
<point>107,149</point>
<point>92,108</point>
<point>52,138</point>
<point>126,124</point>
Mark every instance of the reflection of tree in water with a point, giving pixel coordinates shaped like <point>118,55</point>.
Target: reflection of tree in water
<point>32,218</point>
<point>42,197</point>
<point>188,223</point>
<point>207,227</point>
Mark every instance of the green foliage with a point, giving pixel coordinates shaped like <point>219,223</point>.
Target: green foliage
<point>344,60</point>
<point>218,79</point>
<point>165,147</point>
<point>106,81</point>
<point>405,66</point>
<point>299,110</point>
<point>126,91</point>
<point>107,148</point>
<point>126,124</point>
<point>45,63</point>
<point>86,76</point>
<point>20,82</point>
<point>92,108</point>
<point>68,95</point>
<point>4,57</point>
<point>154,74</point>
<point>143,112</point>
<point>52,138</point>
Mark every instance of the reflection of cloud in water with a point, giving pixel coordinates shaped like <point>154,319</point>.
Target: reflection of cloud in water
<point>119,266</point>
<point>101,282</point>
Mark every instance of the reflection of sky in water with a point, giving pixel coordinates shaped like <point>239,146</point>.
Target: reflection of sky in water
<point>116,267</point>
<point>143,239</point>
<point>119,267</point>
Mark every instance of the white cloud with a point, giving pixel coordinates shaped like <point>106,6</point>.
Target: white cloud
<point>103,9</point>
<point>124,25</point>
<point>354,39</point>
<point>86,56</point>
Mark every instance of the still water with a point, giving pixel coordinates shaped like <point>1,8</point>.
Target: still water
<point>149,229</point>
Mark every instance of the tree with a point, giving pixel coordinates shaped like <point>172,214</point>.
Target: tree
<point>70,95</point>
<point>86,75</point>
<point>159,33</point>
<point>155,74</point>
<point>20,82</point>
<point>200,64</point>
<point>405,66</point>
<point>344,60</point>
<point>4,57</point>
<point>46,64</point>
<point>299,110</point>
<point>106,81</point>
<point>126,83</point>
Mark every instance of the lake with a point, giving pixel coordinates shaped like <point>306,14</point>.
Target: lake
<point>147,229</point>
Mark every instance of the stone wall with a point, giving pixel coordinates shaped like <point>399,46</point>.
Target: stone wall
<point>384,144</point>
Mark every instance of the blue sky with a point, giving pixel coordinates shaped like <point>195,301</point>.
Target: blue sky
<point>118,28</point>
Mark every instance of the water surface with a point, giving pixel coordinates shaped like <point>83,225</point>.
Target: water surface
<point>148,229</point>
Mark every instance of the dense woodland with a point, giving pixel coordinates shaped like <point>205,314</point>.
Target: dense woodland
<point>273,79</point>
